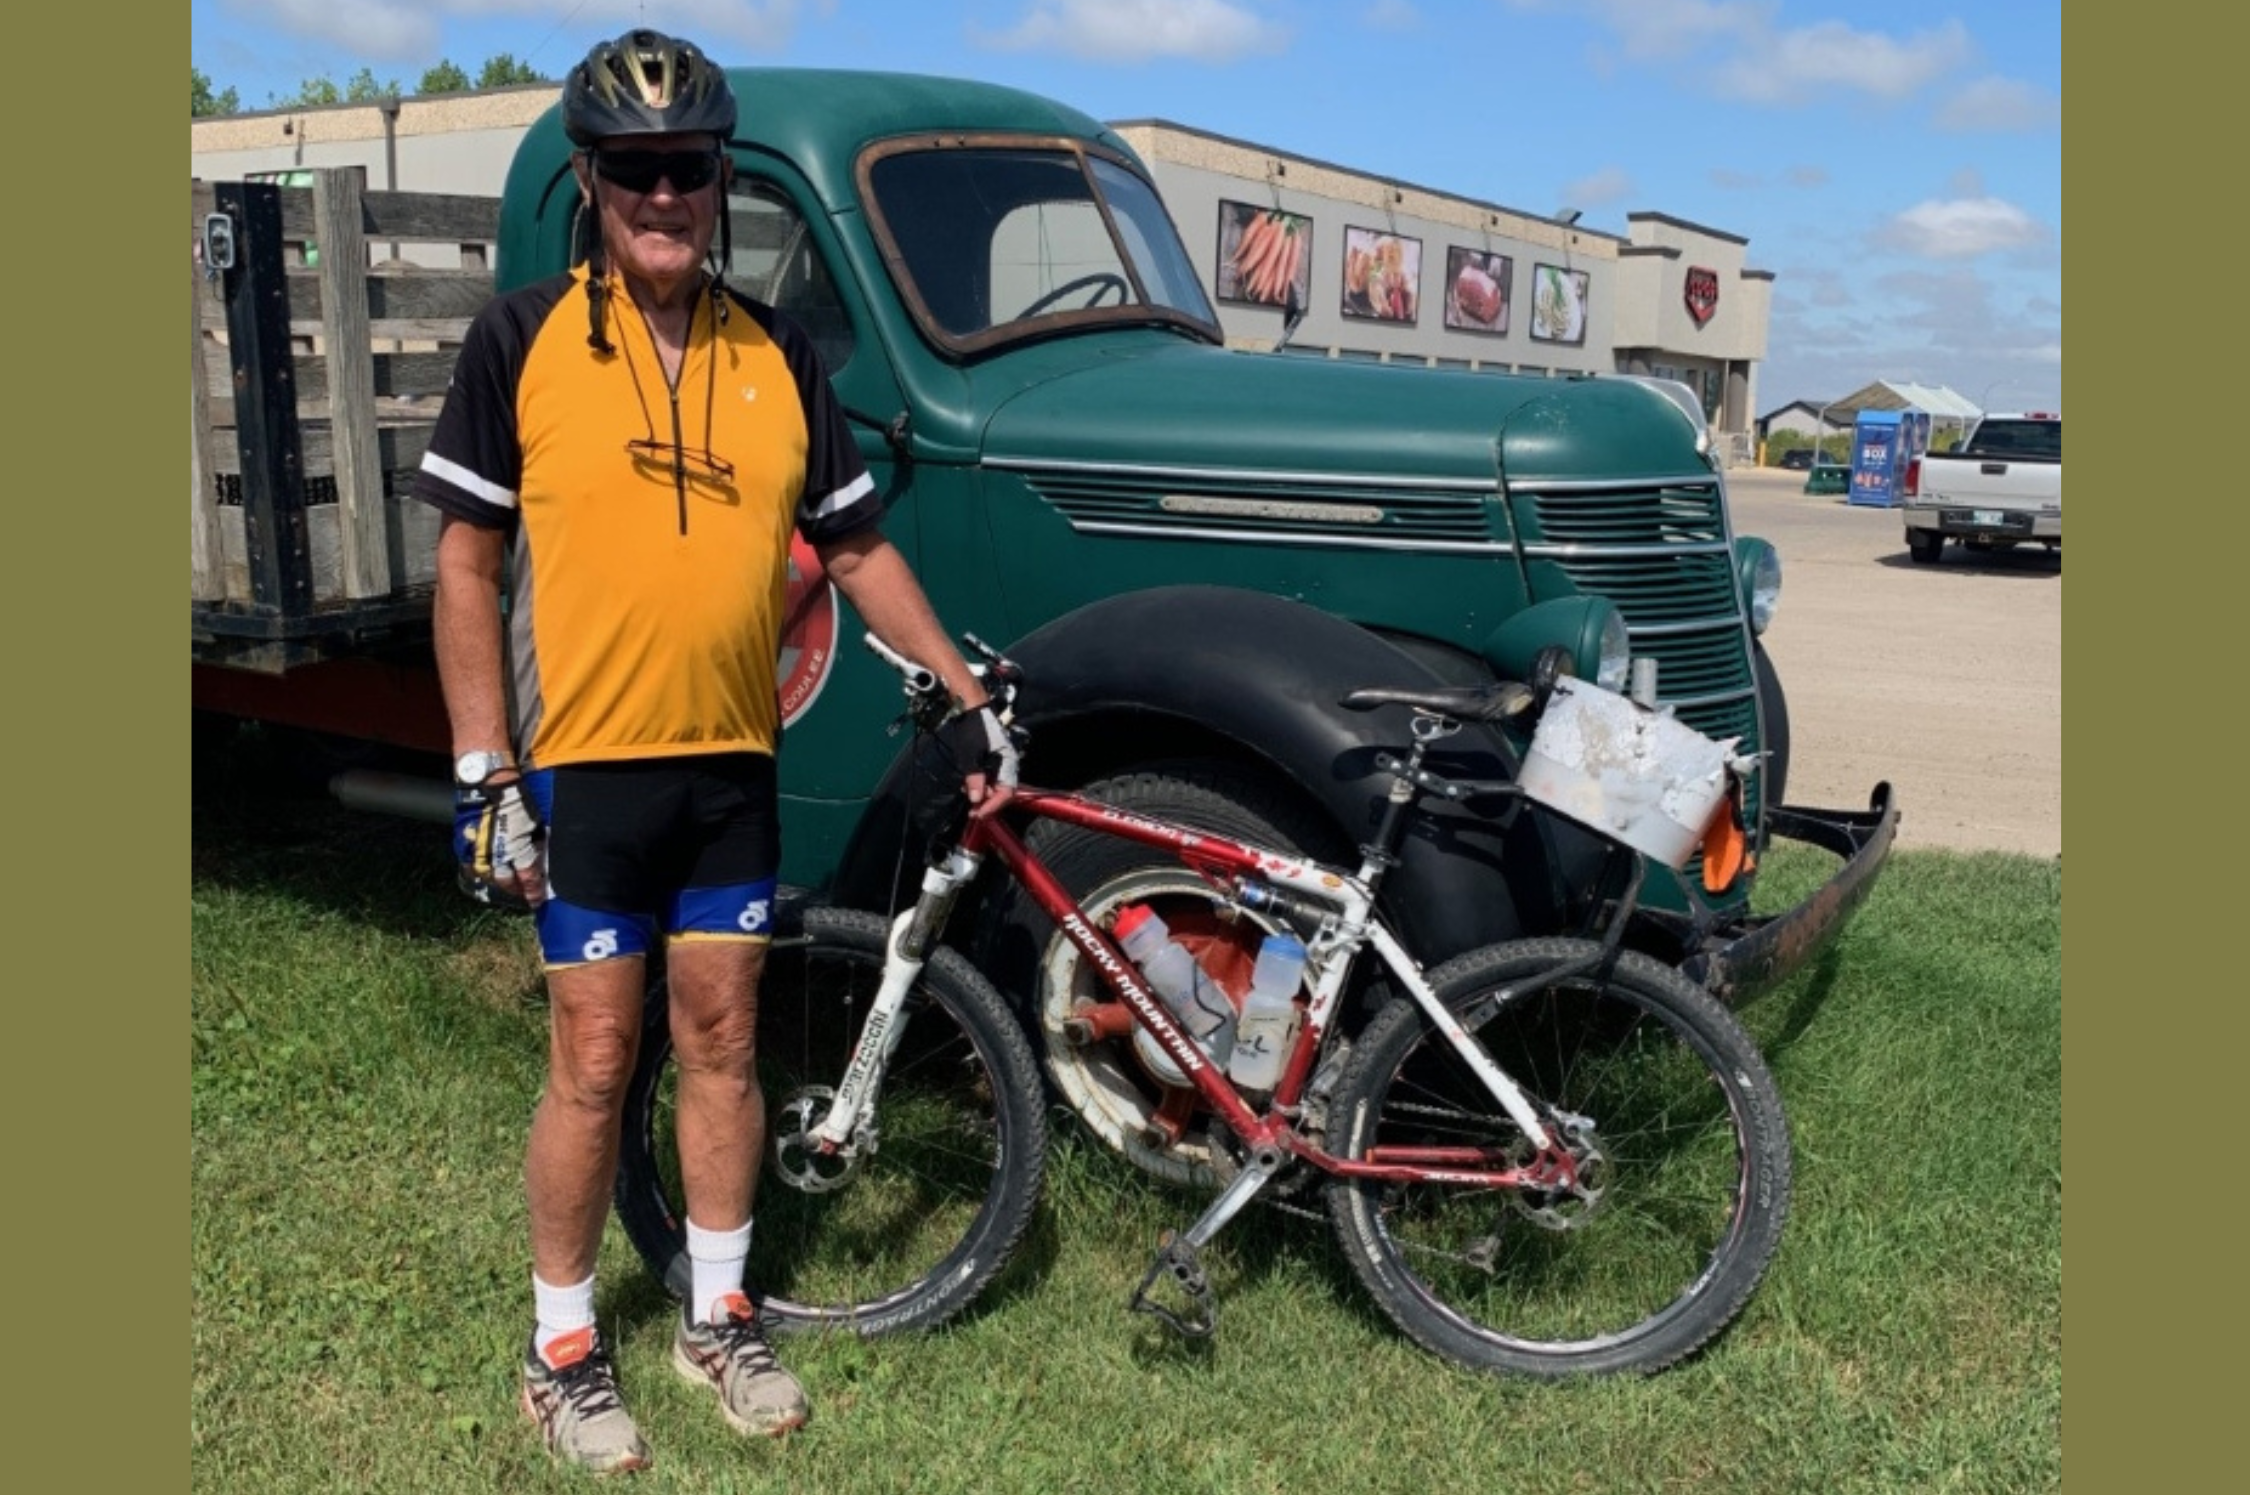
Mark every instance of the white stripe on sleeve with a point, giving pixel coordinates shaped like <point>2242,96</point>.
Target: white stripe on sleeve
<point>835,503</point>
<point>468,482</point>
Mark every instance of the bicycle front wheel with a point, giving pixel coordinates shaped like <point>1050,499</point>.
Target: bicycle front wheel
<point>936,1193</point>
<point>1682,1146</point>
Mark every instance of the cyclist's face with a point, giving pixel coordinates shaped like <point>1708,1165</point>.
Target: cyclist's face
<point>655,232</point>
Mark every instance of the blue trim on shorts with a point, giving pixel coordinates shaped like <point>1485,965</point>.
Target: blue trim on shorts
<point>570,935</point>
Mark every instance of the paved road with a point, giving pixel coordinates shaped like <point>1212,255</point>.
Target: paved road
<point>1945,679</point>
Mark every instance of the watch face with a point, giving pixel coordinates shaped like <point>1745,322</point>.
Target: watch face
<point>475,768</point>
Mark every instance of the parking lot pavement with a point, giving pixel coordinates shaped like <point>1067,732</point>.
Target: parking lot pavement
<point>1944,679</point>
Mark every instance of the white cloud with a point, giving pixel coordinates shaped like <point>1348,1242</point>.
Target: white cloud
<point>1742,54</point>
<point>1999,105</point>
<point>1608,185</point>
<point>382,30</point>
<point>1794,67</point>
<point>1727,179</point>
<point>1960,228</point>
<point>1393,15</point>
<point>1967,182</point>
<point>1140,30</point>
<point>1806,176</point>
<point>413,30</point>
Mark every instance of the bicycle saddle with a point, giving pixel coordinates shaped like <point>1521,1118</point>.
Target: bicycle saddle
<point>1464,703</point>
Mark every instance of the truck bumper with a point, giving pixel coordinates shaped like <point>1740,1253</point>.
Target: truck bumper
<point>1749,957</point>
<point>2003,525</point>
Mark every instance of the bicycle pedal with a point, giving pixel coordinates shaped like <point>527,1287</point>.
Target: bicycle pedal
<point>1177,1259</point>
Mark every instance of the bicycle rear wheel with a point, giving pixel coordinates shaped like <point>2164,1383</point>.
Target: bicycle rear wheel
<point>909,1231</point>
<point>1681,1138</point>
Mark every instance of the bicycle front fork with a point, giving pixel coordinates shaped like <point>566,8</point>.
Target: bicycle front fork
<point>913,935</point>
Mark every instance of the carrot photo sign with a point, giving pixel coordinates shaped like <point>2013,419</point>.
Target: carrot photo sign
<point>1263,252</point>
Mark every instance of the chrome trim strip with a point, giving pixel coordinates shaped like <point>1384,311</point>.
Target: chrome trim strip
<point>1548,551</point>
<point>1530,486</point>
<point>1248,475</point>
<point>1288,537</point>
<point>1698,625</point>
<point>1722,699</point>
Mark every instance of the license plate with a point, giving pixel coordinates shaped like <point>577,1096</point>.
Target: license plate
<point>1987,516</point>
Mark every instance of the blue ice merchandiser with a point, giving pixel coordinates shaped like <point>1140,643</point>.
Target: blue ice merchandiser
<point>1887,449</point>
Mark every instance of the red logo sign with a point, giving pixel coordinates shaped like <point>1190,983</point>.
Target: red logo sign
<point>808,631</point>
<point>1702,293</point>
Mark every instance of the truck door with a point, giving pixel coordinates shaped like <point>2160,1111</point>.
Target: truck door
<point>782,256</point>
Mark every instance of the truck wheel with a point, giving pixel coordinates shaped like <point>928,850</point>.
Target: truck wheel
<point>1105,1081</point>
<point>1925,545</point>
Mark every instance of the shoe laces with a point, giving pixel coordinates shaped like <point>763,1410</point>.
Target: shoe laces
<point>589,1385</point>
<point>745,1341</point>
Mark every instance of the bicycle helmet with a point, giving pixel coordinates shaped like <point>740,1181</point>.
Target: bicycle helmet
<point>645,83</point>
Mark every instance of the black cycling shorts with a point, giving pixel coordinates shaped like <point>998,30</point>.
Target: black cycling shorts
<point>633,838</point>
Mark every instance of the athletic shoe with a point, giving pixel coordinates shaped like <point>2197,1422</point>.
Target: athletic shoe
<point>571,1393</point>
<point>733,1359</point>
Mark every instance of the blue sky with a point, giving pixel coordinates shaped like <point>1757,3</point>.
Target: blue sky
<point>1898,166</point>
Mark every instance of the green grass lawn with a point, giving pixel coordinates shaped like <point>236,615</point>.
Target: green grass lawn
<point>367,1046</point>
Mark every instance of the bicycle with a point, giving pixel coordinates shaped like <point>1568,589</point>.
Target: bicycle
<point>1551,1156</point>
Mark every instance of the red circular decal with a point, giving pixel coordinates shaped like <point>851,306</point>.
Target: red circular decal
<point>808,631</point>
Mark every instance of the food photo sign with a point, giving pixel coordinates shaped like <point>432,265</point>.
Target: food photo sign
<point>1558,305</point>
<point>1262,253</point>
<point>1477,287</point>
<point>1382,275</point>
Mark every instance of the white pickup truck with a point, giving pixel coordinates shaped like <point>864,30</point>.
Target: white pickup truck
<point>2001,487</point>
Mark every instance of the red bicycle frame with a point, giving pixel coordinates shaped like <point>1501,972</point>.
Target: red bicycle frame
<point>1225,863</point>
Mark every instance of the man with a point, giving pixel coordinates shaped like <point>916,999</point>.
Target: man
<point>628,446</point>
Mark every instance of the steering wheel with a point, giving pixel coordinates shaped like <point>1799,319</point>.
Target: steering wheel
<point>1102,282</point>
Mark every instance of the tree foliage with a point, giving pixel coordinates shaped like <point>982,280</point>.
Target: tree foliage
<point>445,77</point>
<point>203,101</point>
<point>502,70</point>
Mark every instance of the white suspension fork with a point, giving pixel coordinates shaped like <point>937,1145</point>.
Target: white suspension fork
<point>885,1025</point>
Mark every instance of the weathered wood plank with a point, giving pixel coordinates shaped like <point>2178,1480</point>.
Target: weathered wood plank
<point>348,361</point>
<point>207,581</point>
<point>396,375</point>
<point>411,217</point>
<point>393,295</point>
<point>409,537</point>
<point>398,449</point>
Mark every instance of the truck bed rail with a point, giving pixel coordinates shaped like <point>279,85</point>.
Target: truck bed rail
<point>318,371</point>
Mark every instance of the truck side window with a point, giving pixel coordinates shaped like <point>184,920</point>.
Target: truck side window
<point>775,260</point>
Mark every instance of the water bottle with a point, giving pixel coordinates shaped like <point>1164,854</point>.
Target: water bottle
<point>1269,1015</point>
<point>1194,999</point>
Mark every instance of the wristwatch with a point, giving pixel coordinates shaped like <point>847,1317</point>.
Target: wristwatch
<point>472,769</point>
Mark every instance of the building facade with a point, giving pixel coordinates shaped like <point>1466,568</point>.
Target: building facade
<point>1383,270</point>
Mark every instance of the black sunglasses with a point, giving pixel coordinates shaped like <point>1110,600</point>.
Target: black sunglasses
<point>640,171</point>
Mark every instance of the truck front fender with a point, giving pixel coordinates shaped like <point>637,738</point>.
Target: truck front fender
<point>1266,674</point>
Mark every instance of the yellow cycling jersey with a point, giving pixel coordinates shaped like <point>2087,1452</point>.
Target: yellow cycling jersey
<point>649,521</point>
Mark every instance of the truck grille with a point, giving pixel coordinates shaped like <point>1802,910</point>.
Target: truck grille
<point>1662,553</point>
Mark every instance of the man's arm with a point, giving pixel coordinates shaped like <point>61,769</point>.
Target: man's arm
<point>465,614</point>
<point>876,580</point>
<point>466,619</point>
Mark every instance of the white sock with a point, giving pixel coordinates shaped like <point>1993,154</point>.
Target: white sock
<point>717,1258</point>
<point>561,1310</point>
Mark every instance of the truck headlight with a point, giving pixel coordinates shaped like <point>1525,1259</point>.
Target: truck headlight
<point>1590,628</point>
<point>1758,567</point>
<point>1614,652</point>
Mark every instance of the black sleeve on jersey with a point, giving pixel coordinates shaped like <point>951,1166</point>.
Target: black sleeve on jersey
<point>474,463</point>
<point>839,497</point>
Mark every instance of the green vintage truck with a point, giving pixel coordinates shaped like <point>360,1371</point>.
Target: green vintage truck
<point>1193,550</point>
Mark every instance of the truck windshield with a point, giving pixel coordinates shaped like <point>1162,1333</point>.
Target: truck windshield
<point>2021,440</point>
<point>998,242</point>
